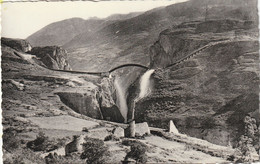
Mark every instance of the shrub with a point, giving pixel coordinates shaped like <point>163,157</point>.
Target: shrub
<point>132,142</point>
<point>10,141</point>
<point>23,156</point>
<point>208,123</point>
<point>55,159</point>
<point>85,129</point>
<point>137,152</point>
<point>111,138</point>
<point>43,143</point>
<point>94,150</point>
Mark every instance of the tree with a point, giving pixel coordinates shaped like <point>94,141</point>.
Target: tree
<point>137,152</point>
<point>245,148</point>
<point>94,150</point>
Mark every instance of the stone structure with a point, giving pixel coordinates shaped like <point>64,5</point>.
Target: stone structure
<point>132,128</point>
<point>172,128</point>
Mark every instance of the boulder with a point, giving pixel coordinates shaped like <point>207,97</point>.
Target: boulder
<point>119,132</point>
<point>142,129</point>
<point>172,128</point>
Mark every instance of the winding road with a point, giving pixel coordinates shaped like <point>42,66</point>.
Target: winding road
<point>196,52</point>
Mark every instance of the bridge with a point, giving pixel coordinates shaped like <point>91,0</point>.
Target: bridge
<point>128,65</point>
<point>102,74</point>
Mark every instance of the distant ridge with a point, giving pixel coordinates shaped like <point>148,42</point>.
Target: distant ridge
<point>61,32</point>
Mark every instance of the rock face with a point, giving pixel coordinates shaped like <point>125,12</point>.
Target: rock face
<point>107,99</point>
<point>17,44</point>
<point>209,93</point>
<point>107,92</point>
<point>53,57</point>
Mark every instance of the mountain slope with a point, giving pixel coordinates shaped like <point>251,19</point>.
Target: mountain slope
<point>61,32</point>
<point>128,41</point>
<point>127,38</point>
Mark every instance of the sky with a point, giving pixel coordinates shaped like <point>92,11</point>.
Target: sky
<point>21,19</point>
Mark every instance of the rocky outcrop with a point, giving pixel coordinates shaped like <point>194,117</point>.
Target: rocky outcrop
<point>84,102</point>
<point>53,57</point>
<point>93,101</point>
<point>17,44</point>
